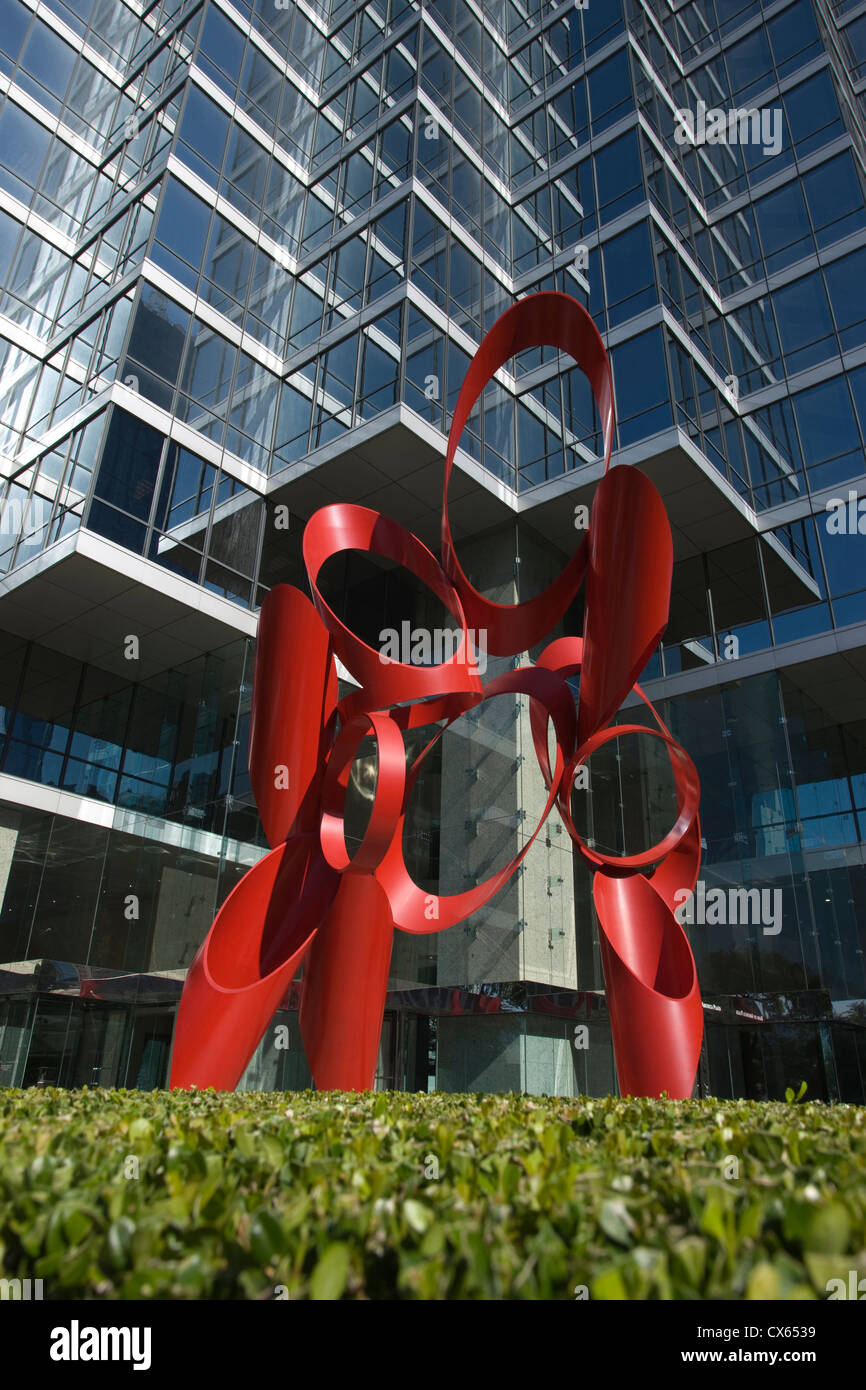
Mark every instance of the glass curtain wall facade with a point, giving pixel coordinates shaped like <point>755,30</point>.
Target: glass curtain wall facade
<point>246,253</point>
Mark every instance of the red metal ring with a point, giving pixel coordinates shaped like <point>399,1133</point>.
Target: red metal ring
<point>345,526</point>
<point>685,781</point>
<point>387,800</point>
<point>549,319</point>
<point>415,911</point>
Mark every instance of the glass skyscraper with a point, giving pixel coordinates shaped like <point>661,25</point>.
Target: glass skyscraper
<point>246,253</point>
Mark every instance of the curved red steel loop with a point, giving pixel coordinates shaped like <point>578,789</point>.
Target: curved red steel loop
<point>687,790</point>
<point>345,526</point>
<point>309,900</point>
<point>292,714</point>
<point>628,587</point>
<point>387,798</point>
<point>549,319</point>
<point>416,911</point>
<point>249,958</point>
<point>650,976</point>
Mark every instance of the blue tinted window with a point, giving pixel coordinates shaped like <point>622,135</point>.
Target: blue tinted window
<point>14,19</point>
<point>228,262</point>
<point>805,325</point>
<point>755,321</point>
<point>378,378</point>
<point>571,106</point>
<point>813,114</point>
<point>224,45</point>
<point>204,127</point>
<point>628,273</point>
<point>600,24</point>
<point>318,217</point>
<point>619,181</point>
<point>641,386</point>
<point>23,144</point>
<point>186,491</point>
<point>784,226</point>
<point>749,65</point>
<point>209,366</point>
<point>610,95</point>
<point>857,382</point>
<point>828,431</point>
<point>183,223</point>
<point>293,425</point>
<point>9,230</point>
<point>306,316</point>
<point>843,546</point>
<point>800,540</point>
<point>157,339</point>
<point>50,61</point>
<point>846,285</point>
<point>537,446</point>
<point>126,480</point>
<point>260,88</point>
<point>835,198</point>
<point>307,46</point>
<point>793,37</point>
<point>338,371</point>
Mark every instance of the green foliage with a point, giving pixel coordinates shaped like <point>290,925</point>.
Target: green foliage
<point>789,1093</point>
<point>129,1194</point>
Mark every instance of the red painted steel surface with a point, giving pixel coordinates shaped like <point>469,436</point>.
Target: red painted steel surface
<point>295,694</point>
<point>554,320</point>
<point>248,960</point>
<point>344,987</point>
<point>312,899</point>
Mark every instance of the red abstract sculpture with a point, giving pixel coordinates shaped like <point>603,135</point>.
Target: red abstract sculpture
<point>308,900</point>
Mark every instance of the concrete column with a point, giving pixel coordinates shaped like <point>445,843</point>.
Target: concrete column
<point>492,797</point>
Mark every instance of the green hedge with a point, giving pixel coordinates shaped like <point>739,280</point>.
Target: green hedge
<point>130,1194</point>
